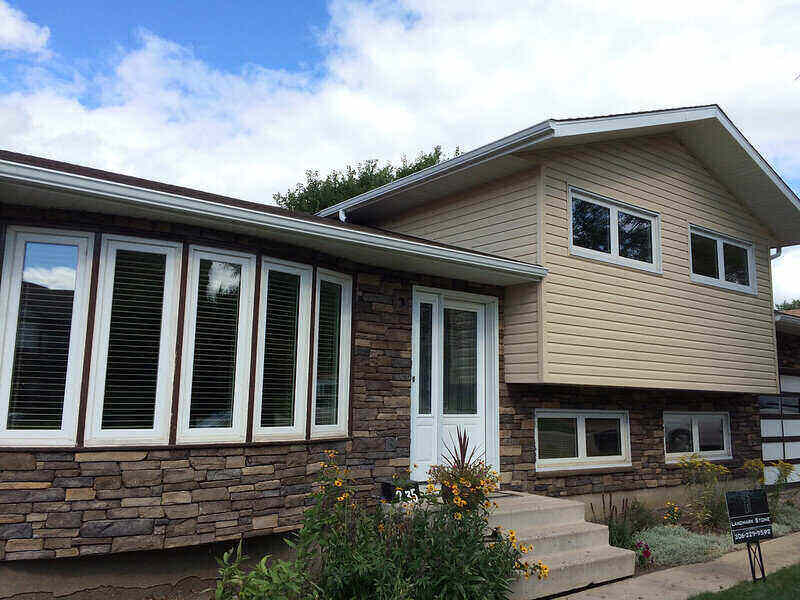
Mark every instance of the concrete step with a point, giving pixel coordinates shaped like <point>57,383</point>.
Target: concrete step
<point>576,569</point>
<point>526,511</point>
<point>563,538</point>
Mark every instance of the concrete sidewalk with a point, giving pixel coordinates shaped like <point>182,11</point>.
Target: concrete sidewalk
<point>679,583</point>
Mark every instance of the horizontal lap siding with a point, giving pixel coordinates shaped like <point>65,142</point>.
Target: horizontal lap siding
<point>521,333</point>
<point>610,325</point>
<point>497,218</point>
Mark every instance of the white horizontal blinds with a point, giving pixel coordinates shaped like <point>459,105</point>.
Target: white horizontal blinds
<point>280,349</point>
<point>460,370</point>
<point>328,346</point>
<point>134,340</point>
<point>43,336</point>
<point>215,344</point>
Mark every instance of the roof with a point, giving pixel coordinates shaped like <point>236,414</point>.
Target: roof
<point>706,131</point>
<point>788,321</point>
<point>32,180</point>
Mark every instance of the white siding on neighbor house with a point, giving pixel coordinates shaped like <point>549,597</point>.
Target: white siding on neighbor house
<point>611,325</point>
<point>497,218</point>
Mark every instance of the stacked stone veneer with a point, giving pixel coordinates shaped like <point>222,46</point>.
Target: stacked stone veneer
<point>77,502</point>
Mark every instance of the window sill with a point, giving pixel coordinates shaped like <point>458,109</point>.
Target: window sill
<point>723,285</point>
<point>582,470</point>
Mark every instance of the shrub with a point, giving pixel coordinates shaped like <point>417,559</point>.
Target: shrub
<point>418,547</point>
<point>675,545</point>
<point>787,515</point>
<point>704,478</point>
<point>644,556</point>
<point>623,521</point>
<point>754,468</point>
<point>465,481</point>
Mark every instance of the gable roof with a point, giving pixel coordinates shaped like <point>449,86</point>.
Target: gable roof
<point>706,131</point>
<point>36,181</point>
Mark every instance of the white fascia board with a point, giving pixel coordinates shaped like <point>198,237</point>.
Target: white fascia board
<point>612,123</point>
<point>214,210</point>
<point>512,143</point>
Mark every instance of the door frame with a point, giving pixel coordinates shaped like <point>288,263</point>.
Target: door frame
<point>491,365</point>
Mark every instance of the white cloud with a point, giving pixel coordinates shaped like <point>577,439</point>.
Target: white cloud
<point>786,275</point>
<point>54,278</point>
<point>223,279</point>
<point>19,34</point>
<point>403,76</point>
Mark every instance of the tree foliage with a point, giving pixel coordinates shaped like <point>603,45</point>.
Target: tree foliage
<point>789,304</point>
<point>318,193</point>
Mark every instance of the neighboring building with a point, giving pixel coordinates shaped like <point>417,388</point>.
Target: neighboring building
<point>780,414</point>
<point>589,298</point>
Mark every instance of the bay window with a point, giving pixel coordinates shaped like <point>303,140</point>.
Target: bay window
<point>217,346</point>
<point>706,434</point>
<point>282,356</point>
<point>134,343</point>
<point>612,231</point>
<point>44,304</point>
<point>580,439</point>
<point>331,384</point>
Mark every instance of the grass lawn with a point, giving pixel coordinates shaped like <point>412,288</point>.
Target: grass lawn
<point>781,585</point>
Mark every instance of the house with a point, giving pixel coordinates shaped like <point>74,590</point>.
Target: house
<point>780,414</point>
<point>589,298</point>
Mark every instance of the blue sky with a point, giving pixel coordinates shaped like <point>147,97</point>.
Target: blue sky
<point>241,98</point>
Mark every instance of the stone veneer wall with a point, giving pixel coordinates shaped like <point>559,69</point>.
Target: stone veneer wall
<point>646,407</point>
<point>788,353</point>
<point>77,502</point>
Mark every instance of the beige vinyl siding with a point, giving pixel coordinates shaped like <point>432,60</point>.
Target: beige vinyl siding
<point>498,218</point>
<point>612,325</point>
<point>521,333</point>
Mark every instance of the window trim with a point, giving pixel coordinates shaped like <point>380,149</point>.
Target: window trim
<point>238,430</point>
<point>725,454</point>
<point>10,286</point>
<point>582,461</point>
<point>342,425</point>
<point>722,239</point>
<point>298,430</point>
<point>159,434</point>
<point>614,207</point>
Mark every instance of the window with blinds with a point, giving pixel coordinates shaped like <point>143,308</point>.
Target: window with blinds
<point>43,332</point>
<point>332,354</point>
<point>134,340</point>
<point>215,344</point>
<point>280,349</point>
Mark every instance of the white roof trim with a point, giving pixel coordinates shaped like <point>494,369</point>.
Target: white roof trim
<point>562,128</point>
<point>214,210</point>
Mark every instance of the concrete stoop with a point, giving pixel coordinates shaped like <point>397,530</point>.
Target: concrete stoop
<point>576,552</point>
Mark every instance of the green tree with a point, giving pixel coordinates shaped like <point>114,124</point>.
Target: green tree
<point>318,193</point>
<point>789,304</point>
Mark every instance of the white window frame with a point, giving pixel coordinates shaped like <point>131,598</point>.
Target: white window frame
<point>10,287</point>
<point>725,454</point>
<point>298,430</point>
<point>614,206</point>
<point>238,430</point>
<point>159,434</point>
<point>341,427</point>
<point>582,461</point>
<point>721,282</point>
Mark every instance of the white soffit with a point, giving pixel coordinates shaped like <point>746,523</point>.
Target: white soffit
<point>706,131</point>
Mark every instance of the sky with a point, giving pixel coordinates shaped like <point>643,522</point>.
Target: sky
<point>240,98</point>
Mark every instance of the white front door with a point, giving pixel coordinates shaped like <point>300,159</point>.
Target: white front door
<point>454,373</point>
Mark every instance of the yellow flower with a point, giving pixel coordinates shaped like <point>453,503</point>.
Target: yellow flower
<point>431,488</point>
<point>338,483</point>
<point>457,516</point>
<point>380,527</point>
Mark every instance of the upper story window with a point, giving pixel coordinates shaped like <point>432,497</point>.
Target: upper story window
<point>612,231</point>
<point>706,434</point>
<point>281,392</point>
<point>722,261</point>
<point>134,342</point>
<point>331,383</point>
<point>44,304</point>
<point>579,439</point>
<point>217,346</point>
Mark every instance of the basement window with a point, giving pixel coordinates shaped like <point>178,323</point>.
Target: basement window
<point>722,261</point>
<point>706,434</point>
<point>581,439</point>
<point>612,231</point>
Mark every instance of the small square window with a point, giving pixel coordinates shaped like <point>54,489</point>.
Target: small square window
<point>721,261</point>
<point>706,434</point>
<point>574,439</point>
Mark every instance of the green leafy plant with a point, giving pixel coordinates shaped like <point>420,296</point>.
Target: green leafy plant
<point>624,520</point>
<point>755,468</point>
<point>675,545</point>
<point>465,480</point>
<point>280,580</point>
<point>705,484</point>
<point>644,556</point>
<point>673,513</point>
